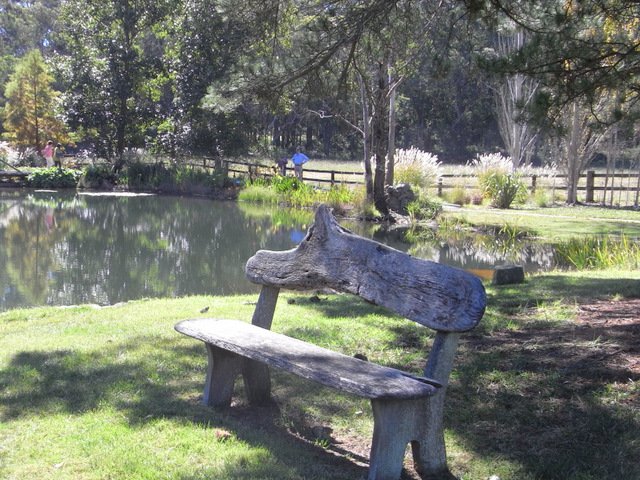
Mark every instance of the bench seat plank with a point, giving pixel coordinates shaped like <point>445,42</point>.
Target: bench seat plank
<point>349,374</point>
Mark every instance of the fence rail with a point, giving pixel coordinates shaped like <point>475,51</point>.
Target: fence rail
<point>593,187</point>
<point>621,188</point>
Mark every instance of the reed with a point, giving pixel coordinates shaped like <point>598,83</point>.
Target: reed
<point>598,252</point>
<point>290,191</point>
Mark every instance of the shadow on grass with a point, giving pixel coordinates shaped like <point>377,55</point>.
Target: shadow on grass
<point>536,398</point>
<point>166,384</point>
<point>557,288</point>
<point>558,402</point>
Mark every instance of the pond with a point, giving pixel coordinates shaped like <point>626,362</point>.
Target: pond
<point>67,248</point>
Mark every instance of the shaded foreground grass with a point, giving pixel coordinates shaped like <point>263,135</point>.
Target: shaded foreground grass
<point>93,393</point>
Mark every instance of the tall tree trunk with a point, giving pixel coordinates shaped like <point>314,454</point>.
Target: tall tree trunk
<point>380,127</point>
<point>309,140</point>
<point>366,120</point>
<point>511,95</point>
<point>392,134</point>
<point>573,155</point>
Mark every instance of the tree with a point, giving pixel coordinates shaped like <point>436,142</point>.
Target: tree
<point>290,45</point>
<point>25,26</point>
<point>31,106</point>
<point>575,50</point>
<point>202,50</point>
<point>582,138</point>
<point>513,93</point>
<point>585,57</point>
<point>113,68</point>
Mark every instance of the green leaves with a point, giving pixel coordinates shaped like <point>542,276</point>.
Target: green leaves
<point>504,188</point>
<point>32,104</point>
<point>54,178</point>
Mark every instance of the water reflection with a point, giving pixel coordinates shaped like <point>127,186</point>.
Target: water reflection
<point>68,248</point>
<point>62,249</point>
<point>475,252</point>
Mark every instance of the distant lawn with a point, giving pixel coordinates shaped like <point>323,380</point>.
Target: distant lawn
<point>115,392</point>
<point>557,222</point>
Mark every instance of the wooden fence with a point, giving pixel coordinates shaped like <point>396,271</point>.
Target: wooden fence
<point>621,189</point>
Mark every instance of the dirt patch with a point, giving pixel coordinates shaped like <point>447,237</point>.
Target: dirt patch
<point>602,343</point>
<point>617,324</point>
<point>565,364</point>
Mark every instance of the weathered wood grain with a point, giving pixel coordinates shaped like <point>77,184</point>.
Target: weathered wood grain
<point>335,370</point>
<point>406,409</point>
<point>438,296</point>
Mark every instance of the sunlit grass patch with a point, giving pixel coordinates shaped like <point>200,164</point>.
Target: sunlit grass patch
<point>91,393</point>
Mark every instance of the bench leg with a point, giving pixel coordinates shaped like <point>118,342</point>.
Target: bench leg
<point>428,448</point>
<point>398,423</point>
<point>257,382</point>
<point>222,371</point>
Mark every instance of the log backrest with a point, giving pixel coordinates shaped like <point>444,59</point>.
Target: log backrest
<point>441,297</point>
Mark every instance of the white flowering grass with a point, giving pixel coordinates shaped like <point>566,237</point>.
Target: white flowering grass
<point>416,167</point>
<point>9,154</point>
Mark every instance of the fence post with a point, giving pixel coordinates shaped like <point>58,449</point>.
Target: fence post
<point>590,184</point>
<point>440,187</point>
<point>333,178</point>
<point>534,180</point>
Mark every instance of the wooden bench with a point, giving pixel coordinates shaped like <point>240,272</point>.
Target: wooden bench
<point>406,408</point>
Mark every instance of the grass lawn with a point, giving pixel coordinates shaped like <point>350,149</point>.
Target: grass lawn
<point>557,222</point>
<point>539,391</point>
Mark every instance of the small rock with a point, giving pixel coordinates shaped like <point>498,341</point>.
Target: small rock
<point>507,275</point>
<point>322,433</point>
<point>204,310</point>
<point>291,301</point>
<point>360,356</point>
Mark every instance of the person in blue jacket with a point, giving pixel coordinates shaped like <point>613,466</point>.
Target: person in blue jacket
<point>299,159</point>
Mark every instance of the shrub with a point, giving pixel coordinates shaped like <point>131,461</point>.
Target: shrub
<point>156,176</point>
<point>459,196</point>
<point>302,196</point>
<point>259,193</point>
<point>187,178</point>
<point>143,176</point>
<point>415,167</point>
<point>289,190</point>
<point>8,154</point>
<point>476,199</point>
<point>363,207</point>
<point>486,165</point>
<point>284,184</point>
<point>338,196</point>
<point>503,189</point>
<point>424,209</point>
<point>53,177</point>
<point>598,252</point>
<point>98,177</point>
<point>541,198</point>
